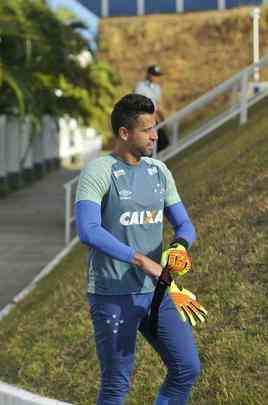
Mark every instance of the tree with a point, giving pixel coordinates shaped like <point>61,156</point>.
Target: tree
<point>40,61</point>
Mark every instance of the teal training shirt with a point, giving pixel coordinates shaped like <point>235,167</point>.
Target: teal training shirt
<point>132,200</point>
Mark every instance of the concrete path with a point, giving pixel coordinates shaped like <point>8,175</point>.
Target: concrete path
<point>31,232</point>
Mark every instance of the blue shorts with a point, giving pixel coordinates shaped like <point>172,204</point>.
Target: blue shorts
<point>116,320</point>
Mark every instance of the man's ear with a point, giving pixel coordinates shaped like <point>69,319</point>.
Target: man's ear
<point>123,133</point>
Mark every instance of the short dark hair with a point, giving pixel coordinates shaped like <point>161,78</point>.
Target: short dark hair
<point>127,110</point>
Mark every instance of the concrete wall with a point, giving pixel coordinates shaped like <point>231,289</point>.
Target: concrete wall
<point>26,155</point>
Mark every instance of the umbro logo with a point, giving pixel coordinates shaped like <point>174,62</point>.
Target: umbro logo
<point>119,173</point>
<point>125,194</point>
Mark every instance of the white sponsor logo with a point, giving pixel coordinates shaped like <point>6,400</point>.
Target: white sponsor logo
<point>119,173</point>
<point>125,194</point>
<point>151,216</point>
<point>152,170</point>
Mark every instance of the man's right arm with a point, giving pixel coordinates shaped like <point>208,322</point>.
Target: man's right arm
<point>91,233</point>
<point>146,264</point>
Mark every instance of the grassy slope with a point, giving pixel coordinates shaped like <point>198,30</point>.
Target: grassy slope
<point>196,50</point>
<point>46,343</point>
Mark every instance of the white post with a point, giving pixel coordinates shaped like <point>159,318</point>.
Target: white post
<point>243,99</point>
<point>256,43</point>
<point>140,7</point>
<point>38,154</point>
<point>3,168</point>
<point>13,151</point>
<point>55,141</point>
<point>68,213</point>
<point>221,5</point>
<point>2,146</point>
<point>175,132</point>
<point>26,152</point>
<point>47,131</point>
<point>104,8</point>
<point>179,6</point>
<point>234,95</point>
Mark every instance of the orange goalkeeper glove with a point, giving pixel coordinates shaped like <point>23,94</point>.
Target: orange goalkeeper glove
<point>176,259</point>
<point>187,305</point>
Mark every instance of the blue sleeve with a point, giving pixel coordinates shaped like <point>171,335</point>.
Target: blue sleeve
<point>91,233</point>
<point>179,219</point>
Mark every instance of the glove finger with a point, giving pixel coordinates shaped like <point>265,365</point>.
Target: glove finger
<point>189,315</point>
<point>197,314</point>
<point>200,308</point>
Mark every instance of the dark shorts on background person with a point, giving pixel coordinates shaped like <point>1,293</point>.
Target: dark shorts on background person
<point>163,140</point>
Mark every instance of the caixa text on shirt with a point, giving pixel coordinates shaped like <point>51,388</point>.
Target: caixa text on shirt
<point>151,216</point>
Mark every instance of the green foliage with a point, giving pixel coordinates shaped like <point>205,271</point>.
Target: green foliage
<point>9,84</point>
<point>39,56</point>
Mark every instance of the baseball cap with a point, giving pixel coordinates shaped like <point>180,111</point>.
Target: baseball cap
<point>154,70</point>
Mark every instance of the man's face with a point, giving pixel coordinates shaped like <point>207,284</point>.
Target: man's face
<point>142,138</point>
<point>154,79</point>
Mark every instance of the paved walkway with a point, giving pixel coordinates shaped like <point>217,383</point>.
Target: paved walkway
<point>31,231</point>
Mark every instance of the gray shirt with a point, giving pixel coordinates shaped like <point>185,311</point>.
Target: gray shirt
<point>132,200</point>
<point>150,90</point>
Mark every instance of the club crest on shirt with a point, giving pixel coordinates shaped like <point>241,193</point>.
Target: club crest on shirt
<point>151,216</point>
<point>152,170</point>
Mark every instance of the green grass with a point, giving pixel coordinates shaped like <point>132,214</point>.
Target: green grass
<point>46,342</point>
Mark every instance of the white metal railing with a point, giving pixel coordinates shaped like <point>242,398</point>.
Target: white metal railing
<point>238,84</point>
<point>69,214</point>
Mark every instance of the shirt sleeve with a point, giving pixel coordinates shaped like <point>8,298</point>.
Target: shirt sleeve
<point>181,222</point>
<point>91,233</point>
<point>171,195</point>
<point>94,181</point>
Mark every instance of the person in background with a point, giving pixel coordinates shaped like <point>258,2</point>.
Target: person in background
<point>150,87</point>
<point>120,204</point>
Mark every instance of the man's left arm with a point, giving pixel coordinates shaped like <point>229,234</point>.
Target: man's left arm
<point>176,256</point>
<point>184,230</point>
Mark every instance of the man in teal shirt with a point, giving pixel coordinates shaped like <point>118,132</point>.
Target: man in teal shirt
<point>120,204</point>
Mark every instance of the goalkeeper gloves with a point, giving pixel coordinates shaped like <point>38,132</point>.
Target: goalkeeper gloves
<point>187,305</point>
<point>177,259</point>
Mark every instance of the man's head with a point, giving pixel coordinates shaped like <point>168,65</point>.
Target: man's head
<point>154,73</point>
<point>133,123</point>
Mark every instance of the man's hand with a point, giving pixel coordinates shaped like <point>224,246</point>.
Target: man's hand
<point>187,305</point>
<point>177,259</point>
<point>146,264</point>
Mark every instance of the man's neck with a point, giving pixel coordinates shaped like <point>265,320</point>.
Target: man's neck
<point>126,155</point>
